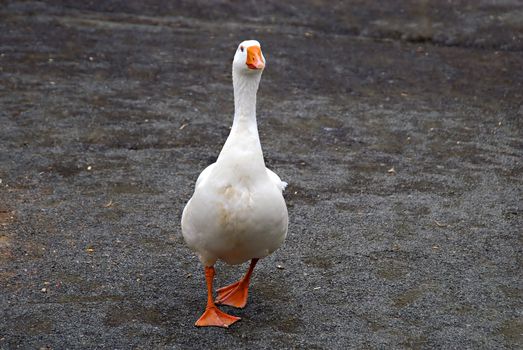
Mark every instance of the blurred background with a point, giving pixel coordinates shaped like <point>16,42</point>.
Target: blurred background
<point>397,124</point>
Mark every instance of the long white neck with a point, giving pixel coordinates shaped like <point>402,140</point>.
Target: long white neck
<point>245,88</point>
<point>243,141</point>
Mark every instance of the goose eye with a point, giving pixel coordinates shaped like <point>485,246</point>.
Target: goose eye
<point>241,48</point>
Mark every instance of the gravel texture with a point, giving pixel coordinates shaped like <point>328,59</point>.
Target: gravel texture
<point>398,126</point>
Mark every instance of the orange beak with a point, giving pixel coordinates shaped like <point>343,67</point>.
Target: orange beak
<point>254,58</point>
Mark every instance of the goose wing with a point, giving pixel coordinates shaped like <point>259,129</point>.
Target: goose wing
<point>204,175</point>
<point>276,179</point>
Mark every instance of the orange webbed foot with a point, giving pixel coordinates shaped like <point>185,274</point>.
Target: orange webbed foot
<point>234,295</point>
<point>214,317</point>
<point>223,291</point>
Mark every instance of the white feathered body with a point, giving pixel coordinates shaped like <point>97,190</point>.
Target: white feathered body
<point>237,211</point>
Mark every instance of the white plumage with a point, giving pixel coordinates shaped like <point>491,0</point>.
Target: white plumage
<point>237,211</point>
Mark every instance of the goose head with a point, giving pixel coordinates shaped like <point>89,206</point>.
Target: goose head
<point>248,58</point>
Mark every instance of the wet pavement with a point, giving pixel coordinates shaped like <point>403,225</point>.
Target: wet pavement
<point>398,127</point>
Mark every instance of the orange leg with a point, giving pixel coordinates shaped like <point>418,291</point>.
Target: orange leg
<point>212,315</point>
<point>236,294</point>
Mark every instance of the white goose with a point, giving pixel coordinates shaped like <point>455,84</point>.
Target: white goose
<point>237,212</point>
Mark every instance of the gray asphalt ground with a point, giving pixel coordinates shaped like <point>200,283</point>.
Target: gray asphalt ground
<point>398,126</point>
